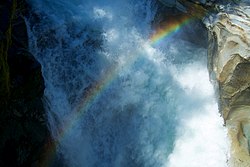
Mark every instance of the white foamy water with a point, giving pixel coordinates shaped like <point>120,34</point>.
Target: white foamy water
<point>201,137</point>
<point>148,110</point>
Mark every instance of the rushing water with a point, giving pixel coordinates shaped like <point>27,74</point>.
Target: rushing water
<point>114,97</point>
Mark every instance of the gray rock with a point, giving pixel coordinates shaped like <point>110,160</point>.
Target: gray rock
<point>229,67</point>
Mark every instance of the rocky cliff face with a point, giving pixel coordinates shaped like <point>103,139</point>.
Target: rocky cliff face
<point>23,130</point>
<point>229,66</point>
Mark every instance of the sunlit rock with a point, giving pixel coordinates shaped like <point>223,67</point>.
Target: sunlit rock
<point>229,66</point>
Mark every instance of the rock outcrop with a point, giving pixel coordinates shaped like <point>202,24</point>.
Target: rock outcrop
<point>229,67</point>
<point>23,130</point>
<point>199,8</point>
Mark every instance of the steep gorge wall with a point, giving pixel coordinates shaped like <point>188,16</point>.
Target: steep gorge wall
<point>24,134</point>
<point>229,66</point>
<point>7,15</point>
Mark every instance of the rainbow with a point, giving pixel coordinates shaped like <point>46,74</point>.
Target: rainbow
<point>94,93</point>
<point>168,29</point>
<point>88,99</point>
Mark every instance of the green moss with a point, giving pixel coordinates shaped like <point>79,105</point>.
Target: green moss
<point>5,43</point>
<point>4,68</point>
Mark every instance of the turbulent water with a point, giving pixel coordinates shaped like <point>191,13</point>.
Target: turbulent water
<point>116,99</point>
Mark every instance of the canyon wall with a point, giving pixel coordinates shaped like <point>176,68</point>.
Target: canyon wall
<point>229,67</point>
<point>24,134</point>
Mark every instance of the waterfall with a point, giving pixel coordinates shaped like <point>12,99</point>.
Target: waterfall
<point>114,97</point>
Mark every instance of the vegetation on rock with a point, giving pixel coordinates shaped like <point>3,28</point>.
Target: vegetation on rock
<point>23,128</point>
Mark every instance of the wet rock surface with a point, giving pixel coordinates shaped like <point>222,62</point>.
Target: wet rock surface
<point>229,66</point>
<point>24,134</point>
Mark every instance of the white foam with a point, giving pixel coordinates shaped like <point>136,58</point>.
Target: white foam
<point>101,13</point>
<point>201,137</point>
<point>194,80</point>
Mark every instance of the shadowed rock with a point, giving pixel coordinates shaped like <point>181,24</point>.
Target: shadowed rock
<point>23,128</point>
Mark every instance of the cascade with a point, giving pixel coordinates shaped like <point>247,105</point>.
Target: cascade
<point>117,95</point>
